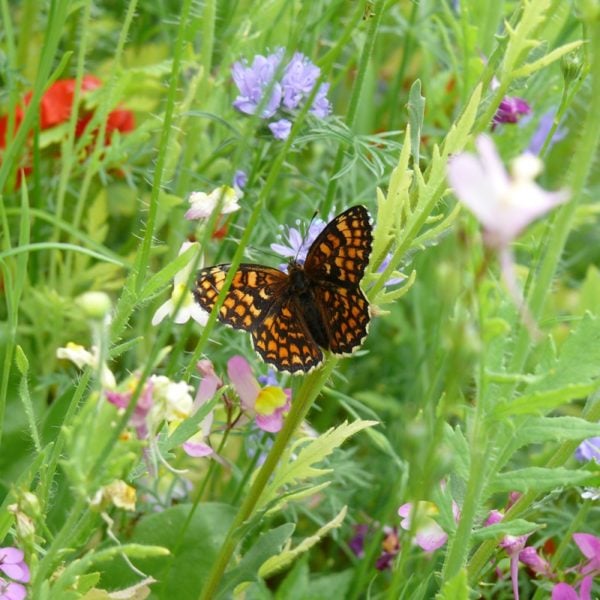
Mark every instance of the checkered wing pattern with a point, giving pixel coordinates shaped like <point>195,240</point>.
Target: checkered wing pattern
<point>291,316</point>
<point>257,302</point>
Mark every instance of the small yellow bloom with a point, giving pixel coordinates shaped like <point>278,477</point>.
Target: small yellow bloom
<point>269,399</point>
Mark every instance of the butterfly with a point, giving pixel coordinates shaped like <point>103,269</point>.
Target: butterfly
<point>292,317</point>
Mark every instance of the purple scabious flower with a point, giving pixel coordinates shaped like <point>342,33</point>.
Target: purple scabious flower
<point>297,83</point>
<point>296,246</point>
<point>543,129</point>
<point>588,450</point>
<point>511,110</point>
<point>256,80</point>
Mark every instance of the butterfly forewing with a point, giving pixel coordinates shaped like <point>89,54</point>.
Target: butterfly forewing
<point>251,294</point>
<point>340,253</point>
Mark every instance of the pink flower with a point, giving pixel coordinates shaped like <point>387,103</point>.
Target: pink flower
<point>196,446</point>
<point>9,590</point>
<point>429,535</point>
<point>12,563</point>
<point>590,547</point>
<point>563,591</point>
<point>269,404</point>
<point>503,203</point>
<point>138,419</point>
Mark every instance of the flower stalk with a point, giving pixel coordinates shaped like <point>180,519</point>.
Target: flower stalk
<point>309,391</point>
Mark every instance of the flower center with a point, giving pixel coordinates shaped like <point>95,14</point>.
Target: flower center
<point>269,399</point>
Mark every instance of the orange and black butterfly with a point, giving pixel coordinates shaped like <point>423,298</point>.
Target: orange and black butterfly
<point>319,304</point>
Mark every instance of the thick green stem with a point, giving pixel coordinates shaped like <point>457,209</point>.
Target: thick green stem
<point>308,392</point>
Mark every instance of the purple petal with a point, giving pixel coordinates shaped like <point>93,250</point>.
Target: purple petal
<point>588,450</point>
<point>209,384</point>
<point>17,571</point>
<point>281,129</point>
<point>246,386</point>
<point>11,590</point>
<point>511,109</point>
<point>585,590</point>
<point>357,543</point>
<point>10,555</point>
<point>270,423</point>
<point>240,179</point>
<point>197,449</point>
<point>119,399</point>
<point>514,575</point>
<point>544,127</point>
<point>588,544</point>
<point>563,591</point>
<point>494,517</point>
<point>431,537</point>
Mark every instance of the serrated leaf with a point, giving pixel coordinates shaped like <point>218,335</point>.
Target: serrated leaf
<point>276,563</point>
<point>537,479</point>
<point>268,544</point>
<point>536,430</point>
<point>291,470</point>
<point>461,457</point>
<point>456,588</point>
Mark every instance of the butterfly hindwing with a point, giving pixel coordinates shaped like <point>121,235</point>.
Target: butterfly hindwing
<point>284,341</point>
<point>340,254</point>
<point>251,294</point>
<point>346,313</point>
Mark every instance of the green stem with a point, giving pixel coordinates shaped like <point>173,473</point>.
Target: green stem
<point>354,101</point>
<point>306,396</point>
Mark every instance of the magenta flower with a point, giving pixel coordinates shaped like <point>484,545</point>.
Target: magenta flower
<point>511,109</point>
<point>269,404</point>
<point>590,547</point>
<point>9,590</point>
<point>12,563</point>
<point>357,543</point>
<point>563,591</point>
<point>138,419</point>
<point>390,545</point>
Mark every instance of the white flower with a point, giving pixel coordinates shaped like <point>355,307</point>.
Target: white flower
<point>188,307</point>
<point>172,399</point>
<point>203,205</point>
<point>503,203</point>
<point>84,358</point>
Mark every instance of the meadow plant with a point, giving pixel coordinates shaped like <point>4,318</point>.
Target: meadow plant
<point>147,451</point>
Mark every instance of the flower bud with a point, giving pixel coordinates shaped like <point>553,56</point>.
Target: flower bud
<point>96,305</point>
<point>571,67</point>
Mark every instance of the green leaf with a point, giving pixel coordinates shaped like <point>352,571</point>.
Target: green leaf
<point>516,527</point>
<point>537,479</point>
<point>268,544</point>
<point>193,541</point>
<point>537,430</point>
<point>456,588</point>
<point>301,466</point>
<point>543,401</point>
<point>416,112</point>
<point>275,563</point>
<point>190,426</point>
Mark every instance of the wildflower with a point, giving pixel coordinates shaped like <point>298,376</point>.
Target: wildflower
<point>240,179</point>
<point>9,590</point>
<point>172,401</point>
<point>510,110</point>
<point>296,245</point>
<point>429,535</point>
<point>383,267</point>
<point>186,307</point>
<point>81,357</point>
<point>196,446</point>
<point>117,493</point>
<point>203,205</point>
<point>538,139</point>
<point>588,450</point>
<point>590,547</point>
<point>591,493</point>
<point>357,543</point>
<point>12,563</point>
<point>539,565</point>
<point>298,79</point>
<point>281,129</point>
<point>138,419</point>
<point>390,547</point>
<point>504,204</point>
<point>269,403</point>
<point>563,591</point>
<point>254,81</point>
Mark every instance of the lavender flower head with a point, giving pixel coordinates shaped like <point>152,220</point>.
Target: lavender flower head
<point>298,79</point>
<point>253,81</point>
<point>296,246</point>
<point>588,450</point>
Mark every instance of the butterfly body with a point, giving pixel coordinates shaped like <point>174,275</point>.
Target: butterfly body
<point>316,305</point>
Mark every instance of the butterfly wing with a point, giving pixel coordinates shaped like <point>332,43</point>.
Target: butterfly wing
<point>253,291</point>
<point>284,341</point>
<point>257,301</point>
<point>336,263</point>
<point>340,254</point>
